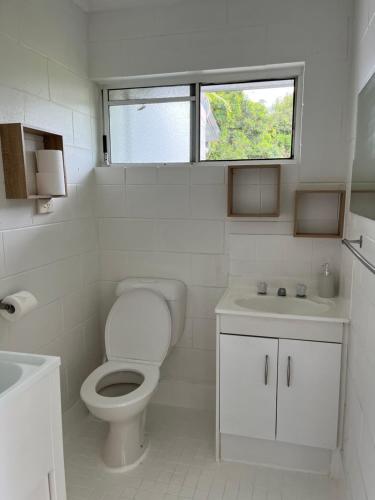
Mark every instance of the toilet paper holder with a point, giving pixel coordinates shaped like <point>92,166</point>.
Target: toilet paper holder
<point>7,307</point>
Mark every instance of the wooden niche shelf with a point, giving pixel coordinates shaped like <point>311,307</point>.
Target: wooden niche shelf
<point>18,145</point>
<point>319,213</point>
<point>254,191</point>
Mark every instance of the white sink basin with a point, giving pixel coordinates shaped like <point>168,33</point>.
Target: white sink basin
<point>283,305</point>
<point>243,301</point>
<point>18,370</point>
<point>10,373</point>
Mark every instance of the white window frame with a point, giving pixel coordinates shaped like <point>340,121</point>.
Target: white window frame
<point>271,72</point>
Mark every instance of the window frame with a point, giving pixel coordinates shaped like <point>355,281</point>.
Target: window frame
<point>294,71</point>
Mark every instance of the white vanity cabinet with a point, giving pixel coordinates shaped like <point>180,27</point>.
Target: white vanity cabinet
<point>280,371</point>
<point>31,444</point>
<point>280,389</point>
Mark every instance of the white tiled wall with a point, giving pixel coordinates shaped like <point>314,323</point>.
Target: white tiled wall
<point>149,225</point>
<point>359,444</point>
<point>43,82</point>
<point>282,256</point>
<point>167,222</point>
<point>359,285</point>
<point>171,221</point>
<point>197,35</point>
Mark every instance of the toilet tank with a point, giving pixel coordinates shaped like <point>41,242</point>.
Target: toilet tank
<point>174,292</point>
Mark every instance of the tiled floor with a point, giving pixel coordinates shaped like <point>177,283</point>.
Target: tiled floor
<point>180,465</point>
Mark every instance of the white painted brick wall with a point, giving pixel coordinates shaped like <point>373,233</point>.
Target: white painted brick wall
<point>215,34</point>
<point>359,286</point>
<point>166,222</point>
<point>171,222</point>
<point>43,82</point>
<point>159,233</point>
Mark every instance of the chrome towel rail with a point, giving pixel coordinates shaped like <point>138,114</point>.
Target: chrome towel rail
<point>360,257</point>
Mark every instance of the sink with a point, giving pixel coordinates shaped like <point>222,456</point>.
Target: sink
<point>10,373</point>
<point>243,301</point>
<point>19,370</point>
<point>283,305</point>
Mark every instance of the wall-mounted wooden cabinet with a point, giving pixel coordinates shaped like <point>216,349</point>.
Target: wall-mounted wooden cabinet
<point>19,160</point>
<point>319,213</point>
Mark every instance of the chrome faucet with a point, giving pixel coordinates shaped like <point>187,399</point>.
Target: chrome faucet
<point>301,291</point>
<point>262,288</point>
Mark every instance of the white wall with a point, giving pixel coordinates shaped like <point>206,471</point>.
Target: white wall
<point>43,82</point>
<point>171,222</point>
<point>212,34</point>
<point>359,445</point>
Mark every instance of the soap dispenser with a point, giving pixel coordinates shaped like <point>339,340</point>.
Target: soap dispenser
<point>326,285</point>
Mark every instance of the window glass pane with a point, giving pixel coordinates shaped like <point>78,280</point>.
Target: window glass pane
<point>149,93</point>
<point>243,121</point>
<point>150,133</point>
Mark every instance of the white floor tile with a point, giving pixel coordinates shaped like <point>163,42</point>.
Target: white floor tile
<point>180,465</point>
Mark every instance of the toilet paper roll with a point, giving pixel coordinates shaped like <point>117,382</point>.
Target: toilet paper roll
<point>50,183</point>
<point>49,160</point>
<point>23,302</point>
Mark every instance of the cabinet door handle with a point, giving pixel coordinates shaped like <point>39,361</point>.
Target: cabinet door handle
<point>266,370</point>
<point>288,371</point>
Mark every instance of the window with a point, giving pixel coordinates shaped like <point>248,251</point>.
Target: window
<point>150,125</point>
<point>247,121</point>
<point>202,122</point>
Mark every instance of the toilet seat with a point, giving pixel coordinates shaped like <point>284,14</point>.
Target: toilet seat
<point>138,328</point>
<point>91,397</point>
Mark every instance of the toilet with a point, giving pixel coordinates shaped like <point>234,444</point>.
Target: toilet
<point>146,320</point>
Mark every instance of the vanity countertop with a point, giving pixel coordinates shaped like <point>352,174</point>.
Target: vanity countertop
<point>246,302</point>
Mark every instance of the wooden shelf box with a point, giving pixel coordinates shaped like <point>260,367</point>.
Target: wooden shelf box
<point>319,213</point>
<point>18,145</point>
<point>254,191</point>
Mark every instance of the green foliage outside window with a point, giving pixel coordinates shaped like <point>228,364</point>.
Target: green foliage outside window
<point>250,129</point>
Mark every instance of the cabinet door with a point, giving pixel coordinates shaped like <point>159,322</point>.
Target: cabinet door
<point>308,393</point>
<point>248,379</point>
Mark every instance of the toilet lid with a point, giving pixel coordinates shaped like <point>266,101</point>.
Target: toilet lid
<point>138,327</point>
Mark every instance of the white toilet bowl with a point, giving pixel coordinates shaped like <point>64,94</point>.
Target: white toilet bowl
<point>118,393</point>
<point>138,335</point>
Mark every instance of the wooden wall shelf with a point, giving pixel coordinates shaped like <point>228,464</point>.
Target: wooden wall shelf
<point>319,213</point>
<point>254,191</point>
<point>19,173</point>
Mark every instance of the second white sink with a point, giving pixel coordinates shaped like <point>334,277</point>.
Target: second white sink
<point>283,305</point>
<point>10,373</point>
<point>19,370</point>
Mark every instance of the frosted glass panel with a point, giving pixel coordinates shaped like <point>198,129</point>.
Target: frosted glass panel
<point>149,93</point>
<point>150,133</point>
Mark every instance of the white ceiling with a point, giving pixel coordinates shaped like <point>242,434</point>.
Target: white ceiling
<point>100,5</point>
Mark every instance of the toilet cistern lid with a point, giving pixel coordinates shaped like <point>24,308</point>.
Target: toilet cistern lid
<point>138,327</point>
